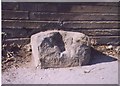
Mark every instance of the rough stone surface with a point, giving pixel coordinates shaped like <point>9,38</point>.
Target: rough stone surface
<point>60,49</point>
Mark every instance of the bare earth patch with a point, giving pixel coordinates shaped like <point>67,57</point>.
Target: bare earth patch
<point>102,73</point>
<point>102,69</point>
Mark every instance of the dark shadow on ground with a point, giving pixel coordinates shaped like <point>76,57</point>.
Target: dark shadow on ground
<point>99,57</point>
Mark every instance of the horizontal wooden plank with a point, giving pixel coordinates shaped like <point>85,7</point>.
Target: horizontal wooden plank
<point>99,22</point>
<point>37,7</point>
<point>105,40</point>
<point>30,24</point>
<point>101,3</point>
<point>20,41</point>
<point>91,24</point>
<point>76,3</point>
<point>10,6</point>
<point>58,24</point>
<point>97,32</point>
<point>95,3</point>
<point>19,33</point>
<point>72,16</point>
<point>14,15</point>
<point>99,40</point>
<point>66,7</point>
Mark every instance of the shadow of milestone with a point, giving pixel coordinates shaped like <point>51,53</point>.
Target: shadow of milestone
<point>99,57</point>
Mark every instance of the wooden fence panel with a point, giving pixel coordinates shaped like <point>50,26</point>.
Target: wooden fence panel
<point>100,21</point>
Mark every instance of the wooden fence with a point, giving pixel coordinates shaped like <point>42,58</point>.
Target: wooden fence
<point>100,21</point>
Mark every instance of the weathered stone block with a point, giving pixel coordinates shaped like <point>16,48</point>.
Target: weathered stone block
<point>60,49</point>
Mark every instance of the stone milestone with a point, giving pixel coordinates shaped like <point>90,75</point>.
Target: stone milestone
<point>58,49</point>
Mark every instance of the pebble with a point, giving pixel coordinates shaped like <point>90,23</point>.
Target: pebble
<point>117,49</point>
<point>86,71</point>
<point>102,77</point>
<point>110,47</point>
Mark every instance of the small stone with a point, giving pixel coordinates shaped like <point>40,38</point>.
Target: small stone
<point>70,69</point>
<point>102,77</point>
<point>27,47</point>
<point>8,80</point>
<point>86,71</point>
<point>117,49</point>
<point>110,47</point>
